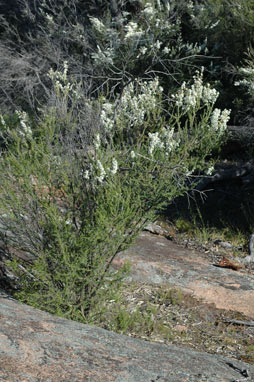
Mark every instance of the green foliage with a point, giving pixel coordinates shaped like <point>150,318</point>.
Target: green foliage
<point>227,28</point>
<point>183,225</point>
<point>71,210</point>
<point>106,49</point>
<point>110,44</point>
<point>139,44</point>
<point>246,81</point>
<point>143,314</point>
<point>71,231</point>
<point>119,124</point>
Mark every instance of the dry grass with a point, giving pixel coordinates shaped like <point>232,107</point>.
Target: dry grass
<point>160,314</point>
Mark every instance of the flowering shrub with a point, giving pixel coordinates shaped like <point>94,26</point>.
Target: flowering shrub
<point>141,44</point>
<point>149,144</point>
<point>227,28</point>
<point>248,79</point>
<point>105,49</point>
<point>246,82</point>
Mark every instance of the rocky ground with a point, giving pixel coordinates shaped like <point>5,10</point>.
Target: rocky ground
<point>170,309</point>
<point>38,347</point>
<point>177,294</point>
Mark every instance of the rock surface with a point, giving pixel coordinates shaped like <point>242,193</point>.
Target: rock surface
<point>38,347</point>
<point>155,259</point>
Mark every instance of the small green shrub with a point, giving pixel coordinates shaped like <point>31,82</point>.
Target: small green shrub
<point>69,210</point>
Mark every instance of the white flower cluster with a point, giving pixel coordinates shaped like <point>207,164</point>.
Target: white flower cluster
<point>192,48</point>
<point>190,5</point>
<point>105,56</point>
<point>107,116</point>
<point>132,154</point>
<point>155,142</point>
<point>54,74</point>
<point>3,123</point>
<point>49,19</point>
<point>96,170</point>
<point>114,166</point>
<point>247,71</point>
<point>248,82</point>
<point>25,130</point>
<point>60,80</point>
<point>190,98</point>
<point>151,31</point>
<point>133,31</point>
<point>62,85</point>
<point>210,170</point>
<point>104,172</point>
<point>97,141</point>
<point>133,106</point>
<point>148,11</point>
<point>219,120</point>
<point>163,141</point>
<point>98,25</point>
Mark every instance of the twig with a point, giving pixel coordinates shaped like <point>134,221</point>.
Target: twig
<point>240,322</point>
<point>243,372</point>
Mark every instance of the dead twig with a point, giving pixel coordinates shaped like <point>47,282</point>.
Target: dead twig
<point>240,322</point>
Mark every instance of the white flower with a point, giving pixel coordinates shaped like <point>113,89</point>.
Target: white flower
<point>158,23</point>
<point>247,71</point>
<point>158,4</point>
<point>25,128</point>
<point>248,82</point>
<point>190,5</point>
<point>166,50</point>
<point>209,95</point>
<point>108,107</point>
<point>107,116</point>
<point>179,96</point>
<point>155,142</point>
<point>143,50</point>
<point>133,155</point>
<point>97,24</point>
<point>64,77</point>
<point>103,57</point>
<point>219,120</point>
<point>97,141</point>
<point>170,142</point>
<point>86,175</point>
<point>214,24</point>
<point>133,106</point>
<point>102,175</point>
<point>157,44</point>
<point>215,119</point>
<point>149,11</point>
<point>225,117</point>
<point>188,98</point>
<point>51,74</point>
<point>210,170</point>
<point>133,31</point>
<point>114,166</point>
<point>2,120</point>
